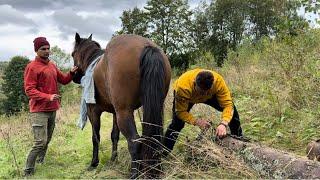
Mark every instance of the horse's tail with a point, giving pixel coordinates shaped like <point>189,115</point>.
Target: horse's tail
<point>152,69</point>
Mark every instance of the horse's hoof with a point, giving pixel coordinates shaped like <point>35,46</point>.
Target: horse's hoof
<point>114,156</point>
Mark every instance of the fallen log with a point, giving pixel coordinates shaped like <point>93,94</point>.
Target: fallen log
<point>272,163</point>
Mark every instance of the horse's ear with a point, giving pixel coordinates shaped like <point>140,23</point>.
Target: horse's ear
<point>90,37</point>
<point>77,38</point>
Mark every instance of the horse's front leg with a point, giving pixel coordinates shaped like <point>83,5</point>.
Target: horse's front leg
<point>127,126</point>
<point>115,138</point>
<point>94,116</point>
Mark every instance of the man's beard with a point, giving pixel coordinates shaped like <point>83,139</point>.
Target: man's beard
<point>45,57</point>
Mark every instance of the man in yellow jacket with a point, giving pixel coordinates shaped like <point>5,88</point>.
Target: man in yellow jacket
<point>201,86</point>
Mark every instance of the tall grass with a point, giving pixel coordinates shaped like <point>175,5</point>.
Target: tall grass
<point>275,85</point>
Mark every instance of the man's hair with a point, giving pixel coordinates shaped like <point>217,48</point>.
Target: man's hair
<point>204,80</point>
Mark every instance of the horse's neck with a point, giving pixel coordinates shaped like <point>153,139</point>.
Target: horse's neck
<point>94,57</point>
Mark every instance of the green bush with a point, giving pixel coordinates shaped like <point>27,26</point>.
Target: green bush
<point>12,86</point>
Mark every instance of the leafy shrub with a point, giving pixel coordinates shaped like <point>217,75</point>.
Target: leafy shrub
<point>12,86</point>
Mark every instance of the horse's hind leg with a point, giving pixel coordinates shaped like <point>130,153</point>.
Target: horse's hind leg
<point>94,116</point>
<point>128,128</point>
<point>115,138</point>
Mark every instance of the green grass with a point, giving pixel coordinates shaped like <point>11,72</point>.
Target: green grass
<point>68,155</point>
<point>70,152</point>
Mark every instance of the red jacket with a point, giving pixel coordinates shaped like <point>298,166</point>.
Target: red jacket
<point>41,79</point>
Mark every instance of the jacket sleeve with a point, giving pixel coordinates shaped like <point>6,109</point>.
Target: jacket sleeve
<point>225,101</point>
<point>30,85</point>
<point>63,78</point>
<point>182,99</point>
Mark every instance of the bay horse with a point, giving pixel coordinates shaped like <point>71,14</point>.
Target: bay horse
<point>132,72</point>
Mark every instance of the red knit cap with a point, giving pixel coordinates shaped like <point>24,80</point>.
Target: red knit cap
<point>40,41</point>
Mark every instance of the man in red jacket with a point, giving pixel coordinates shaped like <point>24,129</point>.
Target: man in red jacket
<point>41,78</point>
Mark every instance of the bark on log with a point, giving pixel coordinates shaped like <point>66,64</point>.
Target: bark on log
<point>271,163</point>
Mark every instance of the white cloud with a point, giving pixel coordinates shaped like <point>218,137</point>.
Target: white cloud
<point>9,15</point>
<point>100,24</point>
<point>23,20</point>
<point>17,42</point>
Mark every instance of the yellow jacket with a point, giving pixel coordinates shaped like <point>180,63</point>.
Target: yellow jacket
<point>184,87</point>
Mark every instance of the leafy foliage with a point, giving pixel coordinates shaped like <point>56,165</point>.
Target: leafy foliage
<point>167,23</point>
<point>310,5</point>
<point>218,26</point>
<point>225,24</point>
<point>63,61</point>
<point>60,57</point>
<point>12,86</point>
<point>134,22</point>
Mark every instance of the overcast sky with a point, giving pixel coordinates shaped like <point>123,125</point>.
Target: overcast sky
<point>58,20</point>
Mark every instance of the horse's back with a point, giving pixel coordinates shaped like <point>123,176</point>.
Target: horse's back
<point>130,41</point>
<point>126,49</point>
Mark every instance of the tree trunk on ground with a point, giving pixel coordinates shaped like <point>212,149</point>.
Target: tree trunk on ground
<point>271,163</point>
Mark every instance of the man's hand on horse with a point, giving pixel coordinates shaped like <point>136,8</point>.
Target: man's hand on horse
<point>221,130</point>
<point>73,70</point>
<point>203,124</point>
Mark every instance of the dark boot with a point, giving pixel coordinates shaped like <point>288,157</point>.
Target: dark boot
<point>172,134</point>
<point>234,125</point>
<point>173,130</point>
<point>28,172</point>
<point>30,164</point>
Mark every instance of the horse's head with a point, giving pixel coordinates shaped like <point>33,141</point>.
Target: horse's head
<point>84,52</point>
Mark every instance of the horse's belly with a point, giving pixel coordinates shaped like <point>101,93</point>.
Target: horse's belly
<point>106,107</point>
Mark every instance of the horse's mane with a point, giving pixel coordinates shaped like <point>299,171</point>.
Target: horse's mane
<point>88,50</point>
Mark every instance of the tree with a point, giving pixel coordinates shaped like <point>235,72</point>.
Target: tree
<point>230,21</point>
<point>169,22</point>
<point>289,22</point>
<point>3,65</point>
<point>200,29</point>
<point>62,60</point>
<point>170,26</point>
<point>60,57</point>
<point>134,22</point>
<point>312,6</point>
<point>12,86</point>
<point>263,17</point>
<point>220,26</point>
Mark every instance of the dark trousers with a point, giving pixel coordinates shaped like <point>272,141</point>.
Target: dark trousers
<point>177,124</point>
<point>43,124</point>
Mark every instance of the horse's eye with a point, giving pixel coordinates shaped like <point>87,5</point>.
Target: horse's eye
<point>72,54</point>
